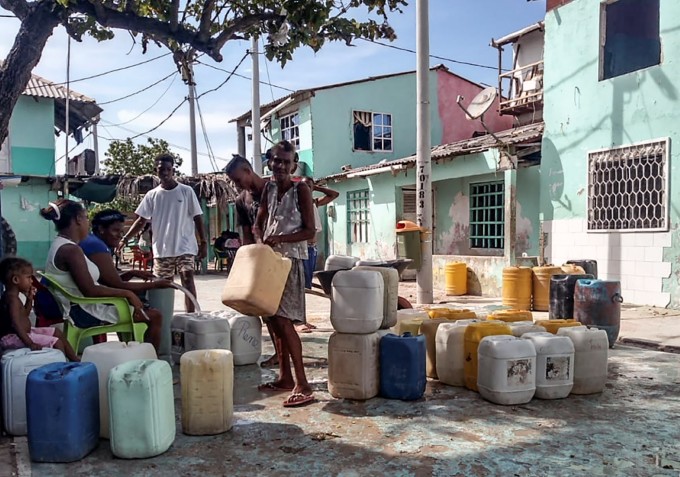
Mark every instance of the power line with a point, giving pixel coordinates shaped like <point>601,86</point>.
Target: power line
<point>162,122</point>
<point>231,73</point>
<point>247,77</point>
<point>266,66</point>
<point>113,70</point>
<point>205,135</point>
<point>176,146</point>
<point>149,108</point>
<point>467,63</point>
<point>139,91</point>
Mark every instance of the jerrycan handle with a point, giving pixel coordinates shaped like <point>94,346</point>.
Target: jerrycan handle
<point>61,372</point>
<point>617,298</point>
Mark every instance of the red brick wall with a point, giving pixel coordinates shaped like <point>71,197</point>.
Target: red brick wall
<point>550,4</point>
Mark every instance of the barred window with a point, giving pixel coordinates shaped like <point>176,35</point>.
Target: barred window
<point>487,215</point>
<point>358,217</point>
<point>627,187</point>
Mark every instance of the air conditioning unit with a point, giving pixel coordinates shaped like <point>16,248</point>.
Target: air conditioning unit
<point>84,164</point>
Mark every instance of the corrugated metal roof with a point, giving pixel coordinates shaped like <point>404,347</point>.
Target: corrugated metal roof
<point>513,37</point>
<point>475,145</point>
<point>40,87</point>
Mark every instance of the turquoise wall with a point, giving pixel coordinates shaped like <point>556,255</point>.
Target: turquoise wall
<point>32,137</point>
<point>451,180</point>
<point>332,113</point>
<point>20,207</point>
<point>583,114</point>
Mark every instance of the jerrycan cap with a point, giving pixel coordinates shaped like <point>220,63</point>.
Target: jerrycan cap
<point>407,335</point>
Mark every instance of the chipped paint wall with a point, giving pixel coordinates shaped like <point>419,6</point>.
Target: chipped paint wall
<point>451,181</point>
<point>583,114</point>
<point>20,207</point>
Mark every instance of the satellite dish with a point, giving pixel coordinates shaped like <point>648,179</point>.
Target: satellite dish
<point>481,103</point>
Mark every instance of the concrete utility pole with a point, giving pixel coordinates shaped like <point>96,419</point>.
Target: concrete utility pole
<point>255,120</point>
<point>95,146</point>
<point>423,161</point>
<point>192,113</point>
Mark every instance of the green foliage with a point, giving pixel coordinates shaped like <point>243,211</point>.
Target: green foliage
<point>127,205</point>
<point>128,158</point>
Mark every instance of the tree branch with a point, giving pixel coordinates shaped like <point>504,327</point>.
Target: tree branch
<point>18,7</point>
<point>206,17</point>
<point>242,24</point>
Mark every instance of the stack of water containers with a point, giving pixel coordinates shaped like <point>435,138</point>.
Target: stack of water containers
<point>360,363</point>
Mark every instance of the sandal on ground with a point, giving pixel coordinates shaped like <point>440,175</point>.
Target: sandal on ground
<point>271,387</point>
<point>270,362</point>
<point>305,328</point>
<point>298,399</point>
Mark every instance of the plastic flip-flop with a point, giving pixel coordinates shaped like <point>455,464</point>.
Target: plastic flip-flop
<point>298,399</point>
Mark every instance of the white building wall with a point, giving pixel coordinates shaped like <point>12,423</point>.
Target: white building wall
<point>634,259</point>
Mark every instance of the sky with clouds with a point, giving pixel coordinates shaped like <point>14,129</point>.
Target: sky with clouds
<point>459,30</point>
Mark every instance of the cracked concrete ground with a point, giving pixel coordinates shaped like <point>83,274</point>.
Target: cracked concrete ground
<point>630,429</point>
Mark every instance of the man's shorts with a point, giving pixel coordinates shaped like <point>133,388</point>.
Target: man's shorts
<point>168,267</point>
<point>43,336</point>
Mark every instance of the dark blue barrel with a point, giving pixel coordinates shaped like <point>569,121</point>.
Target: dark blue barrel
<point>402,367</point>
<point>562,295</point>
<point>598,303</point>
<point>62,410</point>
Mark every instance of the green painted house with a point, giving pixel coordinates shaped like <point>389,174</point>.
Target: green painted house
<point>27,161</point>
<point>612,120</point>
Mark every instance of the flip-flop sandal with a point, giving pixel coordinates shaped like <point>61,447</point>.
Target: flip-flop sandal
<point>298,399</point>
<point>272,388</point>
<point>303,330</point>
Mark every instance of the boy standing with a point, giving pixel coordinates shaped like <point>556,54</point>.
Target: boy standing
<point>176,217</point>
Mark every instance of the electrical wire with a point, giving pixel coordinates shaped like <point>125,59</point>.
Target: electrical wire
<point>205,136</point>
<point>139,91</point>
<point>74,147</point>
<point>162,122</point>
<point>450,60</point>
<point>149,108</point>
<point>231,73</point>
<point>246,77</point>
<point>266,66</point>
<point>113,70</point>
<point>176,146</point>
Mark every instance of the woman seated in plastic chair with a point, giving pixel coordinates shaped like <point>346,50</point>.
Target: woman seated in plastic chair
<point>68,266</point>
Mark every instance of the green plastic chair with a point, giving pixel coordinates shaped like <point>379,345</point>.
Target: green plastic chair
<point>126,327</point>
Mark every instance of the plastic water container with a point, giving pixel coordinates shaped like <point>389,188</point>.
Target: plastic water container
<point>450,350</point>
<point>591,348</point>
<point>450,313</point>
<point>507,370</point>
<point>62,412</point>
<point>106,356</point>
<point>255,284</point>
<point>207,378</point>
<point>552,326</point>
<point>473,335</point>
<point>353,365</point>
<point>510,316</point>
<point>402,367</point>
<point>246,339</point>
<point>178,329</point>
<point>340,262</point>
<point>207,332</point>
<point>554,365</point>
<point>391,293</point>
<point>142,409</point>
<point>357,301</point>
<point>429,329</point>
<point>16,365</point>
<point>519,328</point>
<point>408,314</point>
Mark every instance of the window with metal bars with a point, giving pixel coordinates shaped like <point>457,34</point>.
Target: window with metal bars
<point>290,129</point>
<point>627,188</point>
<point>358,216</point>
<point>487,215</point>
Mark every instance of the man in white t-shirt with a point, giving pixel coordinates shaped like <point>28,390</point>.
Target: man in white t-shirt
<point>176,217</point>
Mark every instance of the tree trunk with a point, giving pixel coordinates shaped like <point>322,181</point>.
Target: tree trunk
<point>36,28</point>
